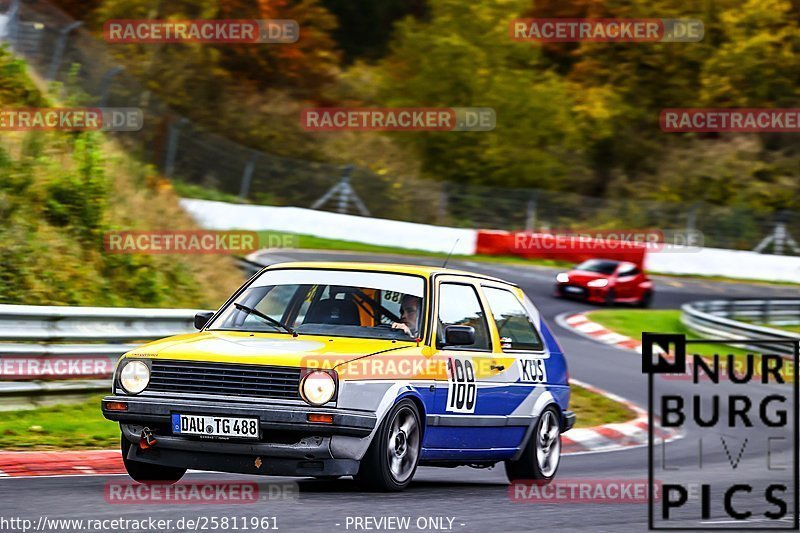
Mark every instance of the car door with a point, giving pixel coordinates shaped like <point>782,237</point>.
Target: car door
<point>528,368</point>
<point>468,420</point>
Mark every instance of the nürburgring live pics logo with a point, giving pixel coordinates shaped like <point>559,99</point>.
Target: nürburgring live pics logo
<point>737,467</point>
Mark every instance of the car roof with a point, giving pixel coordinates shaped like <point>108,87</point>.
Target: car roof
<point>397,268</point>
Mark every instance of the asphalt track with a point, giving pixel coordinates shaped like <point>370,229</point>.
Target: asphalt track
<point>478,500</point>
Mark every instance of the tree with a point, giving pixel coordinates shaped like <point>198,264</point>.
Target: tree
<point>463,57</point>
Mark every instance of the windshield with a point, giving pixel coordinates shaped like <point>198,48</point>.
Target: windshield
<point>329,302</point>
<point>598,265</point>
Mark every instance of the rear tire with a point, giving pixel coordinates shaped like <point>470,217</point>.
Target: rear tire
<point>392,457</point>
<point>542,454</point>
<point>146,472</point>
<point>647,299</point>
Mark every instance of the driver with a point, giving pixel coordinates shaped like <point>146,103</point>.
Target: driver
<point>409,315</point>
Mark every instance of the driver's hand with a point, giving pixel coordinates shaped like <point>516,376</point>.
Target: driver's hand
<point>400,325</point>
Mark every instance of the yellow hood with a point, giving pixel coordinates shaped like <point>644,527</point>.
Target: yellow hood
<point>265,348</point>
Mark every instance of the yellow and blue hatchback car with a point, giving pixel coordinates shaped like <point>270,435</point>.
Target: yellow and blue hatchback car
<point>349,369</point>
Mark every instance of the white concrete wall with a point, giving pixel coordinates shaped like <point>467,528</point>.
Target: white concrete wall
<point>223,216</point>
<point>728,263</point>
<point>675,260</point>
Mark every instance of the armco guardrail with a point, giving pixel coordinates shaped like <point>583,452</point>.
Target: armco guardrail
<point>42,356</point>
<point>735,319</point>
<point>56,323</point>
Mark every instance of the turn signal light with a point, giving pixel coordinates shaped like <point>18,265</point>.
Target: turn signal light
<point>321,419</point>
<point>117,406</point>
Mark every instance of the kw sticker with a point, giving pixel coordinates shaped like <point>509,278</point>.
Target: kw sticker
<point>462,392</point>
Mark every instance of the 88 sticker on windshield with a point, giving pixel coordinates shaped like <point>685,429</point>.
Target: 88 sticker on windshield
<point>462,391</point>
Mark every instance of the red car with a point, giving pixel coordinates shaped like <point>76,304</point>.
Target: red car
<point>606,281</point>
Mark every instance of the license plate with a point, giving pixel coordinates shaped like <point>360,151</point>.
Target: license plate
<point>215,426</point>
<point>574,290</point>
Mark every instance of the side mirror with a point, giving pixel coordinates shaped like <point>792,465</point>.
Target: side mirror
<point>459,335</point>
<point>201,319</point>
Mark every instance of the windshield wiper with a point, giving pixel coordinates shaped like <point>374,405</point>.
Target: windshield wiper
<point>268,318</point>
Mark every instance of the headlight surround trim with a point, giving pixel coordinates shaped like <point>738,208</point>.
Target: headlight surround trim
<point>136,369</point>
<point>321,378</point>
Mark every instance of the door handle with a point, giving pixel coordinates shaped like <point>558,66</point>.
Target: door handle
<point>497,367</point>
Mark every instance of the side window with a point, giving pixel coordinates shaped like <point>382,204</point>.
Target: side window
<point>628,271</point>
<point>513,324</point>
<point>459,305</point>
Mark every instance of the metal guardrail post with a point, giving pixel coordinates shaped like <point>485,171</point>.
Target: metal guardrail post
<point>58,53</point>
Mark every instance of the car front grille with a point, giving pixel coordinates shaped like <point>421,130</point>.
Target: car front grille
<point>225,379</point>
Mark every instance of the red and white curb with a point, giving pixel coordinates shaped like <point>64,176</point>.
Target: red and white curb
<point>61,463</point>
<point>616,436</point>
<point>580,323</point>
<point>611,436</point>
<point>605,438</point>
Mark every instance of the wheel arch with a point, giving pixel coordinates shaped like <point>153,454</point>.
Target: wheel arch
<point>545,400</point>
<point>419,403</point>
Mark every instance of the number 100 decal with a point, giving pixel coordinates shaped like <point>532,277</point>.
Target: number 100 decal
<point>462,391</point>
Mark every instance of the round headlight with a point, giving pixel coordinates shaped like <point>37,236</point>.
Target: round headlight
<point>601,282</point>
<point>134,377</point>
<point>318,388</point>
<point>563,277</point>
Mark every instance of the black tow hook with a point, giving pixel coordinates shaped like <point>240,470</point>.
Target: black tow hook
<point>147,439</point>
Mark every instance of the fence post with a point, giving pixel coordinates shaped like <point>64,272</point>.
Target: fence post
<point>441,213</point>
<point>105,84</point>
<point>691,218</point>
<point>530,215</point>
<point>247,176</point>
<point>172,146</point>
<point>12,23</point>
<point>58,53</point>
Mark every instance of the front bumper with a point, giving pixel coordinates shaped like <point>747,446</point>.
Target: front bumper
<point>289,444</point>
<point>579,292</point>
<point>145,410</point>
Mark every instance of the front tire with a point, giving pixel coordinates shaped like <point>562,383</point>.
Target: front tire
<point>146,472</point>
<point>393,455</point>
<point>611,297</point>
<point>542,455</point>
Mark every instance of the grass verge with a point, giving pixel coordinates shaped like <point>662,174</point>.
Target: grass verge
<point>592,409</point>
<point>81,426</point>
<point>632,322</point>
<point>73,426</point>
